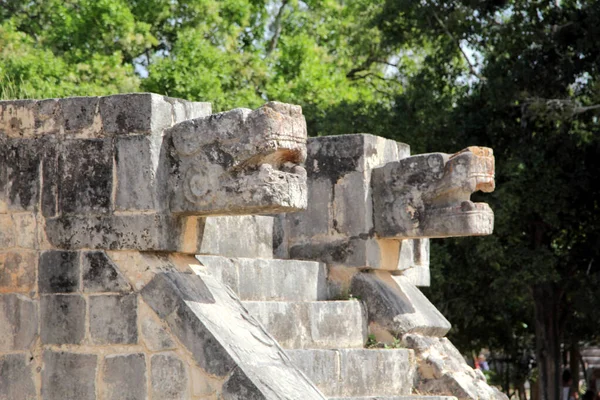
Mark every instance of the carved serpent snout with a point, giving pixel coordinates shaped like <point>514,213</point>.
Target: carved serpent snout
<point>239,162</point>
<point>428,195</point>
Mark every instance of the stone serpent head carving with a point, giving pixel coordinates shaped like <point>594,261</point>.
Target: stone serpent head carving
<point>428,195</point>
<point>239,162</point>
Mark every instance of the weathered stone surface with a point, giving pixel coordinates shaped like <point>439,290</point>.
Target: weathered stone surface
<point>268,280</point>
<point>411,397</point>
<point>113,319</point>
<point>428,195</point>
<point>25,230</point>
<point>358,372</point>
<point>315,324</point>
<point>337,228</point>
<point>247,236</point>
<point>133,232</point>
<point>17,271</point>
<point>16,378</point>
<point>131,113</point>
<point>137,162</point>
<point>7,231</point>
<point>442,370</point>
<point>51,178</point>
<point>169,377</point>
<point>211,323</point>
<point>396,306</point>
<point>414,261</point>
<point>68,376</point>
<point>239,162</point>
<point>58,271</point>
<point>239,387</point>
<point>30,118</point>
<point>100,274</point>
<point>156,337</point>
<point>82,117</point>
<point>18,322</point>
<point>62,319</point>
<point>86,183</point>
<point>23,161</point>
<point>124,377</point>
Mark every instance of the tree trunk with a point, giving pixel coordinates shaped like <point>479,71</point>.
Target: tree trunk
<point>574,357</point>
<point>547,297</point>
<point>521,390</point>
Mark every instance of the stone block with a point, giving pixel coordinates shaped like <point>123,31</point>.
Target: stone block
<point>25,230</point>
<point>124,377</point>
<point>351,213</point>
<point>62,319</point>
<point>255,155</point>
<point>155,336</point>
<point>68,376</point>
<point>18,322</point>
<point>268,279</point>
<point>222,236</point>
<point>113,319</point>
<point>315,220</point>
<point>131,113</point>
<point>169,377</point>
<point>7,231</point>
<point>115,232</point>
<point>428,195</point>
<point>86,182</point>
<point>23,164</point>
<point>50,178</point>
<point>137,162</point>
<point>17,271</point>
<point>358,372</point>
<point>82,117</point>
<point>414,261</point>
<point>3,175</point>
<point>30,118</point>
<point>315,324</point>
<point>58,271</point>
<point>396,306</point>
<point>17,378</point>
<point>100,274</point>
<point>209,320</point>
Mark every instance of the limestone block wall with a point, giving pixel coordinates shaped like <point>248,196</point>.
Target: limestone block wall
<point>97,298</point>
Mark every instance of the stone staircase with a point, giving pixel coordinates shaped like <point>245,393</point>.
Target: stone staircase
<point>325,338</point>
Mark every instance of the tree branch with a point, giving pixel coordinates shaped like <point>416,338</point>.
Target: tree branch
<point>451,36</point>
<point>276,28</point>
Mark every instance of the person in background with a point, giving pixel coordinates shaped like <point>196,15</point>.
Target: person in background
<point>567,381</point>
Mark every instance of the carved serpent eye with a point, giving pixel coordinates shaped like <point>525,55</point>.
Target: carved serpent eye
<point>200,180</point>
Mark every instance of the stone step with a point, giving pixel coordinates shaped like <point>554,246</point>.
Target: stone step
<point>358,372</point>
<point>260,279</point>
<point>413,397</point>
<point>314,324</point>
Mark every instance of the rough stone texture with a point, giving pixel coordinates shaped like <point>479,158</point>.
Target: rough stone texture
<point>337,227</point>
<point>211,323</point>
<point>113,319</point>
<point>317,324</point>
<point>86,183</point>
<point>137,161</point>
<point>62,319</point>
<point>25,230</point>
<point>22,162</point>
<point>268,280</point>
<point>239,162</point>
<point>7,231</point>
<point>428,195</point>
<point>414,261</point>
<point>169,377</point>
<point>17,271</point>
<point>100,274</point>
<point>358,372</point>
<point>248,236</point>
<point>68,376</point>
<point>442,370</point>
<point>16,378</point>
<point>124,377</point>
<point>58,272</point>
<point>396,306</point>
<point>18,322</point>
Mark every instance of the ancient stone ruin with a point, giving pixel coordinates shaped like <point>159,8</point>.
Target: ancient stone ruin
<point>152,250</point>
